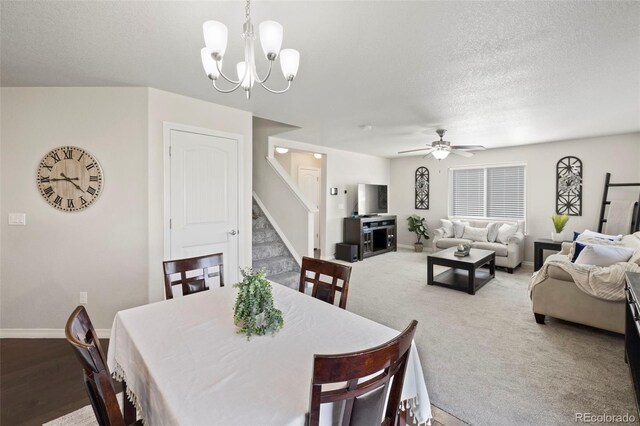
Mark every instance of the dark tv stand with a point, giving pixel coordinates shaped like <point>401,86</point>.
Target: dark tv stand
<point>372,234</point>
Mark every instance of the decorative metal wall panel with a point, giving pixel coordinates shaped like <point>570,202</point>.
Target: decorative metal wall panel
<point>422,188</point>
<point>569,186</point>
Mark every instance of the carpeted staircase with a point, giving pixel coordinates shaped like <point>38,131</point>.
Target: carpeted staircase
<point>270,253</point>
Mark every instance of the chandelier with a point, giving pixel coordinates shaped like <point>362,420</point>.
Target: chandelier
<point>215,38</point>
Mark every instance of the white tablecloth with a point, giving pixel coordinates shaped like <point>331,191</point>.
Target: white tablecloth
<point>185,364</point>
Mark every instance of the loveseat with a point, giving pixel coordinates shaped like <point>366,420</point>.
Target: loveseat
<point>554,290</point>
<point>509,253</point>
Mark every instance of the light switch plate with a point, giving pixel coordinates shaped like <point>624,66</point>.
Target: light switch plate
<point>19,219</point>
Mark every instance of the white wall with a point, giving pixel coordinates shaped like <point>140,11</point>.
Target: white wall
<point>280,196</point>
<point>343,170</point>
<point>616,154</point>
<point>101,250</point>
<point>114,249</point>
<point>292,161</point>
<point>169,107</point>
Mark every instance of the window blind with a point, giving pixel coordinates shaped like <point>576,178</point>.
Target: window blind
<point>488,192</point>
<point>505,192</point>
<point>468,192</point>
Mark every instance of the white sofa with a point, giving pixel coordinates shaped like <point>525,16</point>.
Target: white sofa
<point>508,255</point>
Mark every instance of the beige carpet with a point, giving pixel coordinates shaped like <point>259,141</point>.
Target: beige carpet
<point>485,359</point>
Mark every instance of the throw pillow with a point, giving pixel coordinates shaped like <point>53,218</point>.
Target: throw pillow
<point>593,234</point>
<point>599,255</point>
<point>458,228</point>
<point>447,225</point>
<point>578,245</point>
<point>506,231</point>
<point>577,249</point>
<point>492,231</point>
<point>575,235</point>
<point>475,234</point>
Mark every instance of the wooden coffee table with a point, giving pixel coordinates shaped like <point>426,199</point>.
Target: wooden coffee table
<point>464,274</point>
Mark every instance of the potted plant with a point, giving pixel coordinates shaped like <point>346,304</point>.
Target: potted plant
<point>254,312</point>
<point>417,225</point>
<point>559,222</point>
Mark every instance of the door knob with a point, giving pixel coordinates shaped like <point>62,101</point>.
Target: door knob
<point>232,232</point>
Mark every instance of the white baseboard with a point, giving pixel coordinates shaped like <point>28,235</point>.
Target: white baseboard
<point>527,263</point>
<point>43,333</point>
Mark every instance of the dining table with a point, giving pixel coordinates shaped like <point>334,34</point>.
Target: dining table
<point>184,363</point>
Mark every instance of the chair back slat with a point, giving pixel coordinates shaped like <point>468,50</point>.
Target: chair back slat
<point>194,274</point>
<point>83,339</point>
<point>364,399</point>
<point>312,271</point>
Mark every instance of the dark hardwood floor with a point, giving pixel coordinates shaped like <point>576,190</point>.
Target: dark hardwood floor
<point>40,380</point>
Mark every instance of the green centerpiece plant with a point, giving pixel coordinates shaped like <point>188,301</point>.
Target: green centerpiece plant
<point>559,222</point>
<point>417,226</point>
<point>254,312</point>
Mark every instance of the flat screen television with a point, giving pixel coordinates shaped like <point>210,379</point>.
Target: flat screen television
<point>372,199</point>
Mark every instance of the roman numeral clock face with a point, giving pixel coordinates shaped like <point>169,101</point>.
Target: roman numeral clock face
<point>69,178</point>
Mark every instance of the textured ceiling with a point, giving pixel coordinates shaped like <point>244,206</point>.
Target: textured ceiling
<point>493,73</point>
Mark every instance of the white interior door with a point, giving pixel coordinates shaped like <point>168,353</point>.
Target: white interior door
<point>309,184</point>
<point>204,206</point>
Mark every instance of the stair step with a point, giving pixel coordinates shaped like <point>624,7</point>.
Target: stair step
<point>264,235</point>
<point>260,222</point>
<point>289,279</point>
<point>268,249</point>
<point>256,209</point>
<point>275,265</point>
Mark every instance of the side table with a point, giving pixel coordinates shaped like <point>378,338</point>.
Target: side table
<point>539,246</point>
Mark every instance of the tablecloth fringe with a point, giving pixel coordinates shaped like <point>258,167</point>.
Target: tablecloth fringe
<point>120,376</point>
<point>411,404</point>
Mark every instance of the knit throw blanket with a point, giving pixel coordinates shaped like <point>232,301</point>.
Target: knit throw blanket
<point>606,283</point>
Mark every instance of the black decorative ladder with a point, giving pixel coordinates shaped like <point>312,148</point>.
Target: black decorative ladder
<point>635,220</point>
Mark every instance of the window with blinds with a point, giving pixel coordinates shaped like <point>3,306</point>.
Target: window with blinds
<point>492,192</point>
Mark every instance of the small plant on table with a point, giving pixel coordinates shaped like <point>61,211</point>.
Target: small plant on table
<point>254,312</point>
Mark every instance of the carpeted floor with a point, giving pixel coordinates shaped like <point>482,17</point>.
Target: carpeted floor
<point>485,359</point>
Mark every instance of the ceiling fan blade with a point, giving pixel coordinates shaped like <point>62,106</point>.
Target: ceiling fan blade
<point>462,153</point>
<point>469,147</point>
<point>416,150</point>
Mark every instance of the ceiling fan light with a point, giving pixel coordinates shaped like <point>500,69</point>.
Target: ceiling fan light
<point>289,61</point>
<point>215,37</point>
<point>440,154</point>
<point>271,38</point>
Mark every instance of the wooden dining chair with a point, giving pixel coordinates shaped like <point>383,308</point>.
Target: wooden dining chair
<point>312,271</point>
<point>195,275</point>
<point>97,379</point>
<point>364,402</point>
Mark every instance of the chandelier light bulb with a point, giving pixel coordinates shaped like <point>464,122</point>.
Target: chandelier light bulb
<point>247,79</point>
<point>289,61</point>
<point>271,39</point>
<point>215,37</point>
<point>209,64</point>
<point>281,150</point>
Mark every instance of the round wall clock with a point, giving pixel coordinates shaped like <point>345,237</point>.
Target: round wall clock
<point>69,178</point>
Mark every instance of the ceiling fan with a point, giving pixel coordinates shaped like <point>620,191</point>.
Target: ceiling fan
<point>441,149</point>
